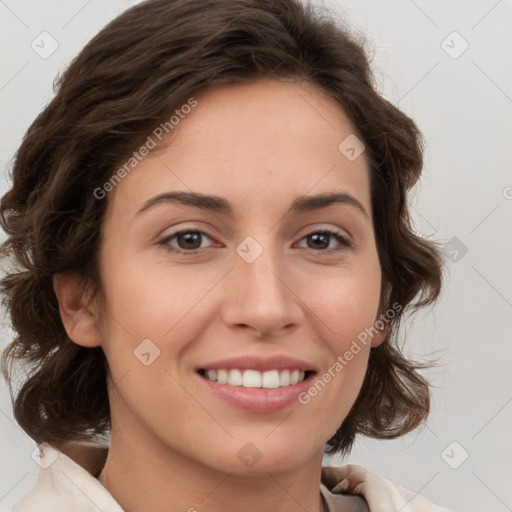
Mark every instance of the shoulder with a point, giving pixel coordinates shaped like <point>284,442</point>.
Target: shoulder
<point>45,494</point>
<point>66,481</point>
<point>381,494</point>
<point>40,500</point>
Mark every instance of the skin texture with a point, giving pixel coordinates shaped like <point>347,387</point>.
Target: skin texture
<point>174,444</point>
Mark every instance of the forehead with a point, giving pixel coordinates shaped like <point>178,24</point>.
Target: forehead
<point>254,143</point>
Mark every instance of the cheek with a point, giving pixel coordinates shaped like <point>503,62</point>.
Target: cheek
<point>154,314</point>
<point>150,300</point>
<point>343,308</point>
<point>345,303</point>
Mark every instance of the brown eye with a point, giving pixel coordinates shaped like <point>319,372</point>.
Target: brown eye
<point>187,241</point>
<point>320,241</point>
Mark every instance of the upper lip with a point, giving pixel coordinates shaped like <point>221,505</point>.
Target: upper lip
<point>252,362</point>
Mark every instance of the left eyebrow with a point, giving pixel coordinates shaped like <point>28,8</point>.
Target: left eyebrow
<point>221,205</point>
<point>308,203</point>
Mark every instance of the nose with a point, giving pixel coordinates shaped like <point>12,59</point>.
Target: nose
<point>262,296</point>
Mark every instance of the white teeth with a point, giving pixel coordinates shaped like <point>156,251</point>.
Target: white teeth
<point>255,379</point>
<point>235,378</point>
<point>284,378</point>
<point>251,379</point>
<point>270,379</point>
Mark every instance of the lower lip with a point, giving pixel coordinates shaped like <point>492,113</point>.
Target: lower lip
<point>258,399</point>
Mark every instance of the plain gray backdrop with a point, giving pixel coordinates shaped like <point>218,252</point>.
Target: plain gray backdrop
<point>447,65</point>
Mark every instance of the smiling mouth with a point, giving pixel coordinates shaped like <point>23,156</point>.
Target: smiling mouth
<point>249,378</point>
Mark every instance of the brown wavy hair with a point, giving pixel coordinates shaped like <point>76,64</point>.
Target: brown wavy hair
<point>128,79</point>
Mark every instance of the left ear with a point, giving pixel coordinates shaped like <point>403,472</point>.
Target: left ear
<point>380,337</point>
<point>77,314</point>
<point>382,333</point>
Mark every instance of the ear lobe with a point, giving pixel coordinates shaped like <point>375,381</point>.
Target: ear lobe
<point>379,338</point>
<point>78,317</point>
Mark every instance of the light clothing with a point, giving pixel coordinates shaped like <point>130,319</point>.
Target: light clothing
<point>67,482</point>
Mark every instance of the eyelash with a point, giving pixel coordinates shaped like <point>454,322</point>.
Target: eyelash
<point>344,242</point>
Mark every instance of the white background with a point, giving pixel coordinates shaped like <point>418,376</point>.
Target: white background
<point>463,106</point>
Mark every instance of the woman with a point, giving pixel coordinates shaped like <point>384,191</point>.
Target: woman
<point>213,253</point>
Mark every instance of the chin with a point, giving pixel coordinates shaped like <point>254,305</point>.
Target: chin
<point>261,457</point>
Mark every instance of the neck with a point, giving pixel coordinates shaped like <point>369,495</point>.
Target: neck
<point>144,476</point>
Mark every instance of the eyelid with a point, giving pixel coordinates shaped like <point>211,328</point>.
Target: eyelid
<point>345,240</point>
<point>164,240</point>
<point>171,231</point>
<point>329,228</point>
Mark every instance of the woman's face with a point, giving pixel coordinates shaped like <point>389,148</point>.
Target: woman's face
<point>255,279</point>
